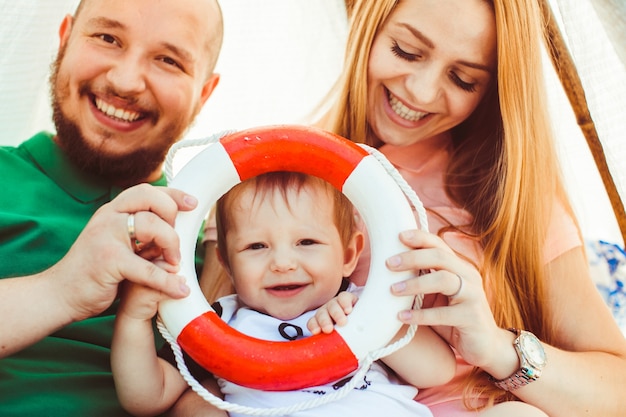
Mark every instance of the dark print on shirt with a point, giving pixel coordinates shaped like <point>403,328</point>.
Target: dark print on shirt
<point>287,331</point>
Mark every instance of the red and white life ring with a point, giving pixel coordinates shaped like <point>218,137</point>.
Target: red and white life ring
<point>277,366</point>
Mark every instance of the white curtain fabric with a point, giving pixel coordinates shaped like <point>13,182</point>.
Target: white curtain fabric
<point>28,41</point>
<point>280,57</point>
<point>612,14</point>
<point>603,76</point>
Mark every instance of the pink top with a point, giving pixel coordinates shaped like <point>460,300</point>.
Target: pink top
<point>422,165</point>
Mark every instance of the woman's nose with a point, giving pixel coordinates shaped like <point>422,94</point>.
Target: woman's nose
<point>424,85</point>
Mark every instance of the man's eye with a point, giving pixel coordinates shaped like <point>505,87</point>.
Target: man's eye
<point>170,61</point>
<point>107,38</point>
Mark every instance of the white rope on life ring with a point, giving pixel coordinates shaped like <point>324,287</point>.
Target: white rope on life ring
<point>318,359</point>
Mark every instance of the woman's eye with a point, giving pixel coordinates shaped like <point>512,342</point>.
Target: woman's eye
<point>463,85</point>
<point>401,53</point>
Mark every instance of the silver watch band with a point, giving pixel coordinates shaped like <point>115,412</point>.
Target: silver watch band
<point>513,382</point>
<point>530,368</point>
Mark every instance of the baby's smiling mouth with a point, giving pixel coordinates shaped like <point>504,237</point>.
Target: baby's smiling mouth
<point>288,287</point>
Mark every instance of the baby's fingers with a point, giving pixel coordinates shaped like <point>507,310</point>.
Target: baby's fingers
<point>321,322</point>
<point>346,301</point>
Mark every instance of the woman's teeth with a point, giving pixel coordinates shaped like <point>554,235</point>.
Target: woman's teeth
<point>403,111</point>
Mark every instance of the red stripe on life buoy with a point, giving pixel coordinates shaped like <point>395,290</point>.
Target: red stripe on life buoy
<point>257,151</point>
<point>266,365</point>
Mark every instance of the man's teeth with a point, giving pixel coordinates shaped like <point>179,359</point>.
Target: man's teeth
<point>109,110</point>
<point>403,111</point>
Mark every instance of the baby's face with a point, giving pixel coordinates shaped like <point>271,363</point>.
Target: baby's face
<point>286,257</point>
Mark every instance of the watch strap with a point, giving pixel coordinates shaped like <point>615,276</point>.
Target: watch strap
<point>521,377</point>
<point>518,379</point>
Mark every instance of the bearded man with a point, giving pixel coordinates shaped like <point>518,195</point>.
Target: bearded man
<point>129,79</point>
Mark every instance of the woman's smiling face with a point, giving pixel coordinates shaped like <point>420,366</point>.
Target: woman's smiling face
<point>430,65</point>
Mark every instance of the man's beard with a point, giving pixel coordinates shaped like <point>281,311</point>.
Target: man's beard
<point>123,170</point>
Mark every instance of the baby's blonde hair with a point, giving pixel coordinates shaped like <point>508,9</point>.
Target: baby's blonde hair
<point>265,185</point>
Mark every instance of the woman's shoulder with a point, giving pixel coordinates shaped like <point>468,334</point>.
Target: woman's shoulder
<point>562,235</point>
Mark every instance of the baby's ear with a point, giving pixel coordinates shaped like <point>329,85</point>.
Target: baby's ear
<point>352,252</point>
<point>218,255</point>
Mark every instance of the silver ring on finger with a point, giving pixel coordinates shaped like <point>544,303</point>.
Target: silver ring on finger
<point>456,294</point>
<point>130,228</point>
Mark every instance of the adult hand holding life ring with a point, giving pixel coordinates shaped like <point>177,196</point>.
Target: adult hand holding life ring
<point>322,358</point>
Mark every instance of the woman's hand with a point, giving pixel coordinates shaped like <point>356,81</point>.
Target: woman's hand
<point>458,309</point>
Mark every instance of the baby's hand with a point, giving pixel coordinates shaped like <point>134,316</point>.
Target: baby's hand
<point>334,311</point>
<point>138,301</point>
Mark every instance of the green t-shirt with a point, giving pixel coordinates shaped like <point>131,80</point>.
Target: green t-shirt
<point>45,204</point>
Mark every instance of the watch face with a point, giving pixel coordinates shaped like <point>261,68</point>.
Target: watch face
<point>533,350</point>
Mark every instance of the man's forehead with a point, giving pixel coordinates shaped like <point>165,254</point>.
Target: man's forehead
<point>196,31</point>
<point>150,20</point>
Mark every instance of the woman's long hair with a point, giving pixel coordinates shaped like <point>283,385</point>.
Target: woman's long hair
<point>504,168</point>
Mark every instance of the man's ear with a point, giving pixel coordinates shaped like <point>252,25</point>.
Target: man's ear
<point>65,29</point>
<point>352,252</point>
<point>209,87</point>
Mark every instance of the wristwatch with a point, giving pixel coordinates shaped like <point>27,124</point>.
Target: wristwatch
<point>532,358</point>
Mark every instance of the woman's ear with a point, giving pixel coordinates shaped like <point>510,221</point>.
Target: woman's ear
<point>352,252</point>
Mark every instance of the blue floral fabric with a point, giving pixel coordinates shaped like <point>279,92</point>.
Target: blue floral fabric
<point>608,266</point>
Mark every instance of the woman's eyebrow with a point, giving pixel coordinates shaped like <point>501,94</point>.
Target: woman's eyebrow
<point>419,35</point>
<point>476,65</point>
<point>429,43</point>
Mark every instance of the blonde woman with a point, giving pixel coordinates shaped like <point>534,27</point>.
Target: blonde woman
<point>451,91</point>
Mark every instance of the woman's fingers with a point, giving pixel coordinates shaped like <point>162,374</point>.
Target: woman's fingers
<point>458,308</point>
<point>420,239</point>
<point>438,269</point>
<point>452,285</point>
